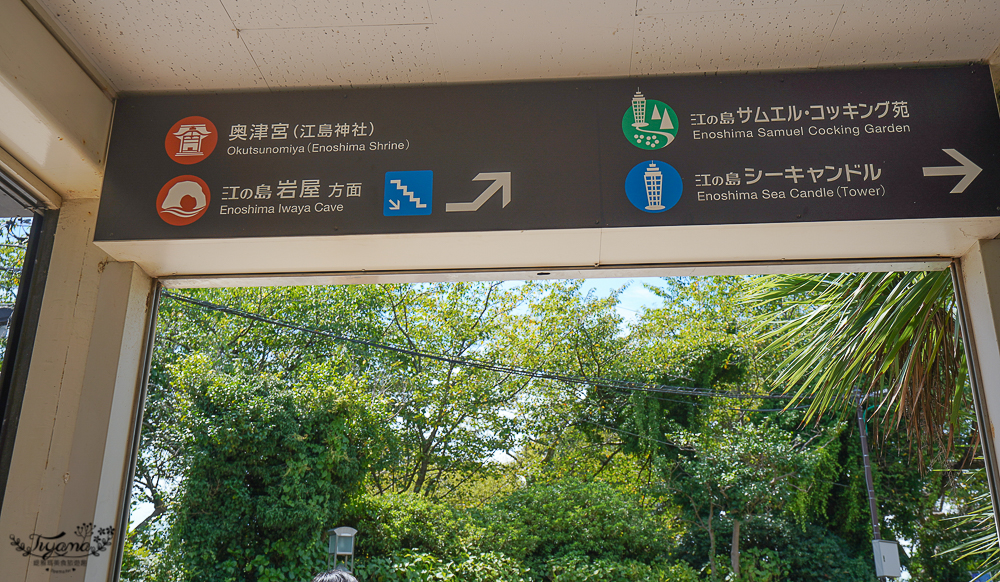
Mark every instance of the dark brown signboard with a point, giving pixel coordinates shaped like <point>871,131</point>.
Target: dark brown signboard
<point>724,149</point>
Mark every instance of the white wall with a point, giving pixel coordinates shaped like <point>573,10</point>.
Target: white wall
<point>54,121</point>
<point>71,449</point>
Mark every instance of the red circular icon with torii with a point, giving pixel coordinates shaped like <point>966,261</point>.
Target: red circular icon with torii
<point>191,140</point>
<point>183,200</point>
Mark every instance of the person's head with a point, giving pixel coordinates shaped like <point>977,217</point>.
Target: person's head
<point>335,576</point>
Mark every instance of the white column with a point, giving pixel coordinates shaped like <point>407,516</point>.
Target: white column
<point>70,452</point>
<point>981,286</point>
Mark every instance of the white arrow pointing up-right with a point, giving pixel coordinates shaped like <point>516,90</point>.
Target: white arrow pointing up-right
<point>501,181</point>
<point>968,169</point>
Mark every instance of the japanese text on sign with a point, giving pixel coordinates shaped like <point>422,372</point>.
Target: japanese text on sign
<point>287,189</point>
<point>262,131</point>
<point>898,109</point>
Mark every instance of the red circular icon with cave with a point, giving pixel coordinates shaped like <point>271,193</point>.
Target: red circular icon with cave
<point>183,200</point>
<point>191,140</point>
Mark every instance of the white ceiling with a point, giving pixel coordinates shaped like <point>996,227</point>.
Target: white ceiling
<point>195,45</point>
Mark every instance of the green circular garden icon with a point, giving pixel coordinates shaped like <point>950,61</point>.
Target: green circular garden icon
<point>649,124</point>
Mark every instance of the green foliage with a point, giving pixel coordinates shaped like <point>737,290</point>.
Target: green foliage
<point>745,471</point>
<point>751,469</point>
<point>144,557</point>
<point>449,418</point>
<point>405,566</point>
<point>907,498</point>
<point>565,530</point>
<point>574,568</point>
<point>698,335</point>
<point>258,438</point>
<point>578,335</point>
<point>392,522</point>
<point>574,518</point>
<point>134,561</point>
<point>962,540</point>
<point>762,565</point>
<point>890,334</point>
<point>934,562</point>
<point>849,502</point>
<point>270,466</point>
<point>242,347</point>
<point>14,234</point>
<point>894,336</point>
<point>757,565</point>
<point>811,554</point>
<point>416,566</point>
<point>490,567</point>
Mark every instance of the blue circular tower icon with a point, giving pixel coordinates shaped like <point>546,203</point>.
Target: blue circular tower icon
<point>653,186</point>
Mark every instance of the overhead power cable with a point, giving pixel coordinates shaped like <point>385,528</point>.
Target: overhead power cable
<point>733,408</point>
<point>471,363</point>
<point>637,435</point>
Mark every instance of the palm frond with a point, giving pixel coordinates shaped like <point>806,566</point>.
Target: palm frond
<point>978,521</point>
<point>893,335</point>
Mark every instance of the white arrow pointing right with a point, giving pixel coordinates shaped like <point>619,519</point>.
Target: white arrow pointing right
<point>968,169</point>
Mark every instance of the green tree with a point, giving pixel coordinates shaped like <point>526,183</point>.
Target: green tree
<point>744,471</point>
<point>895,337</point>
<point>543,522</point>
<point>13,245</point>
<point>580,337</point>
<point>504,409</point>
<point>721,460</point>
<point>269,468</point>
<point>451,416</point>
<point>239,347</point>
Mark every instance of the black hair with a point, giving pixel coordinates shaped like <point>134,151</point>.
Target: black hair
<point>335,576</point>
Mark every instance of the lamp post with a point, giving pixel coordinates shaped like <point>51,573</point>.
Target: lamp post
<point>341,544</point>
<point>886,552</point>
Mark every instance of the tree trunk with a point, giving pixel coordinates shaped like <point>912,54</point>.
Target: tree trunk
<point>711,547</point>
<point>734,554</point>
<point>425,461</point>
